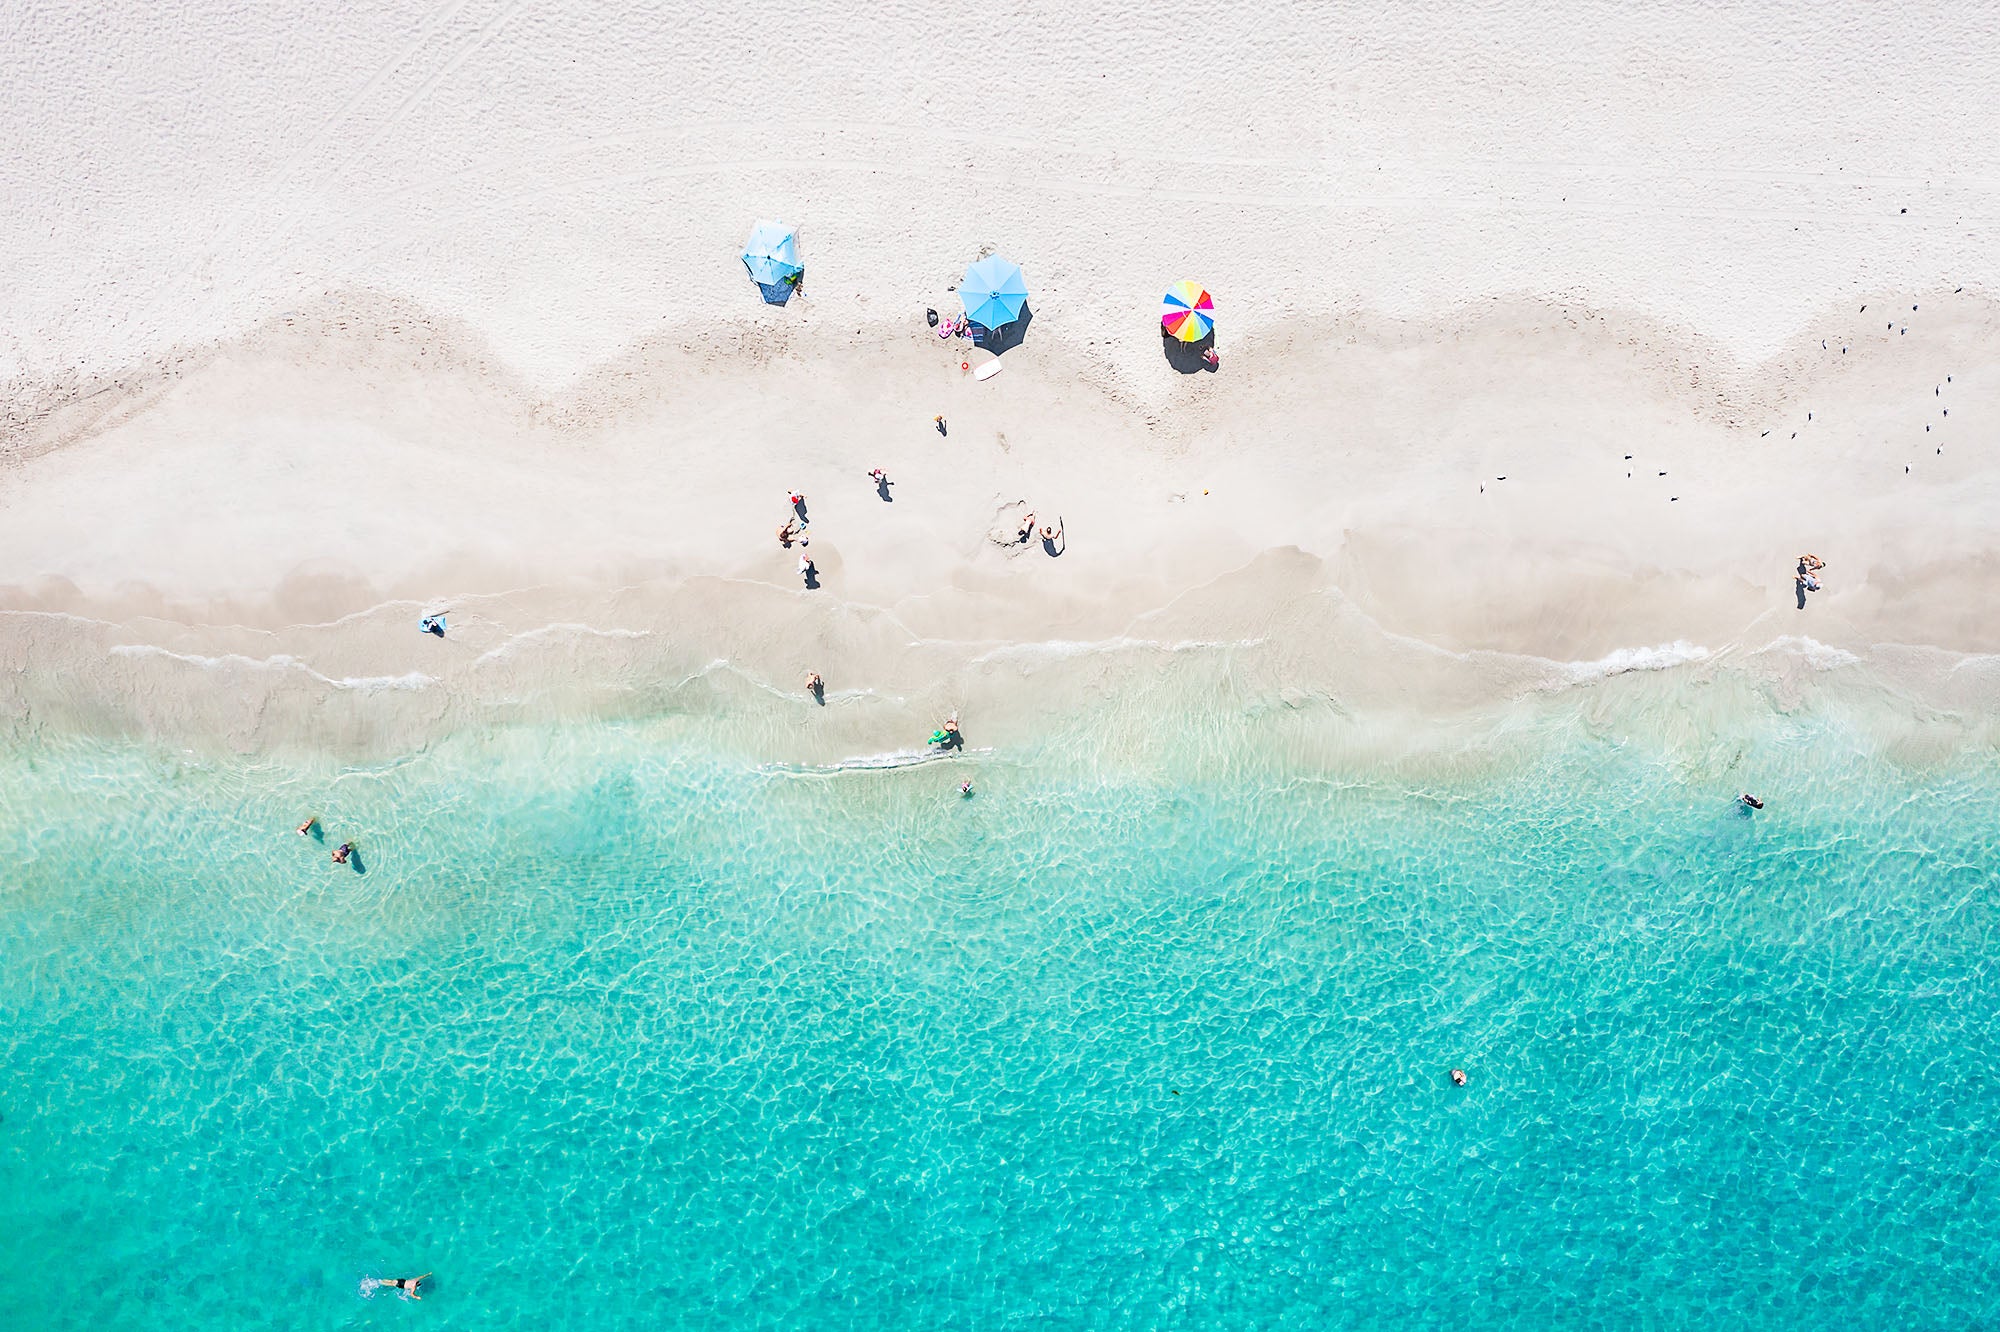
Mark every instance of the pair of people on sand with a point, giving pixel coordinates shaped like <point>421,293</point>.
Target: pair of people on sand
<point>795,530</point>
<point>1050,533</point>
<point>795,526</point>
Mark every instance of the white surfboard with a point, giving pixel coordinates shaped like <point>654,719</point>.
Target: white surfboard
<point>987,371</point>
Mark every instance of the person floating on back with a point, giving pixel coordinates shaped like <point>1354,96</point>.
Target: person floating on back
<point>306,828</point>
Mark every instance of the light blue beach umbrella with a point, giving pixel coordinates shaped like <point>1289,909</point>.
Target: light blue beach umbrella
<point>772,255</point>
<point>993,292</point>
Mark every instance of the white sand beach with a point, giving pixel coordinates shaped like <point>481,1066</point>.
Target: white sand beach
<point>1533,371</point>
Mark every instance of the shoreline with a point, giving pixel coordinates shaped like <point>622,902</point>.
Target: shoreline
<point>301,497</point>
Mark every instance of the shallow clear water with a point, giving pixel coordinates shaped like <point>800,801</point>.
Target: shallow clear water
<point>613,1040</point>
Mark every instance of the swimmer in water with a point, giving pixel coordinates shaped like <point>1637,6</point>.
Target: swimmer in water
<point>965,789</point>
<point>1750,801</point>
<point>342,852</point>
<point>410,1286</point>
<point>1458,1077</point>
<point>306,828</point>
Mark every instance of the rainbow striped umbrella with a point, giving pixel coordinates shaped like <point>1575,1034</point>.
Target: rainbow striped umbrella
<point>1187,313</point>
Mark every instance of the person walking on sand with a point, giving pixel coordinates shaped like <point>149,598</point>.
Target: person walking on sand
<point>787,532</point>
<point>938,421</point>
<point>798,504</point>
<point>1052,535</point>
<point>814,685</point>
<point>1027,528</point>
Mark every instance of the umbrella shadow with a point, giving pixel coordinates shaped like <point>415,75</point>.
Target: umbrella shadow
<point>1007,336</point>
<point>777,293</point>
<point>1186,357</point>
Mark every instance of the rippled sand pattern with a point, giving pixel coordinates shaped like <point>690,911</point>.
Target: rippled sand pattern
<point>608,1040</point>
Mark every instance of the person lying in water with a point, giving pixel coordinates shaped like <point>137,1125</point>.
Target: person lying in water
<point>342,852</point>
<point>410,1286</point>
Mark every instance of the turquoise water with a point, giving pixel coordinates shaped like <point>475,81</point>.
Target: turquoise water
<point>608,1039</point>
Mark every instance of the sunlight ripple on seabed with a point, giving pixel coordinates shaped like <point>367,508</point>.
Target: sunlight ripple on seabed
<point>1132,1029</point>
